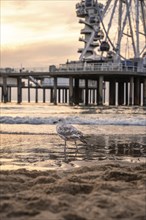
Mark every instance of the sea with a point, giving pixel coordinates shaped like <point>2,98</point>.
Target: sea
<point>29,139</point>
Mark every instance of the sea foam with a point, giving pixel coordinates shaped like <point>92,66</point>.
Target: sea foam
<point>133,121</point>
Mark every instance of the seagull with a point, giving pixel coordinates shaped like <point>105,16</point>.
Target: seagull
<point>69,133</point>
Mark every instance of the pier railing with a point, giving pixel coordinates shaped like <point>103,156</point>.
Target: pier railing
<point>75,67</point>
<point>100,67</point>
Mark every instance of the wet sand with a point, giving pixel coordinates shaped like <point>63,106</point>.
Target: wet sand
<point>99,183</point>
<point>46,151</point>
<point>106,190</point>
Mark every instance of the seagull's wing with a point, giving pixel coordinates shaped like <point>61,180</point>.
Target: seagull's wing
<point>68,132</point>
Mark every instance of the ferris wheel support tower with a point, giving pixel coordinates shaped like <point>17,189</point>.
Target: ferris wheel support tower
<point>137,28</point>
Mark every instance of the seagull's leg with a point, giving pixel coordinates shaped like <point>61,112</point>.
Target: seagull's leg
<point>76,146</point>
<point>76,149</point>
<point>65,149</point>
<point>66,145</point>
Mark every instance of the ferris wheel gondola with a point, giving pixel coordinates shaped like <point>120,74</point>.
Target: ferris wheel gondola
<point>104,47</point>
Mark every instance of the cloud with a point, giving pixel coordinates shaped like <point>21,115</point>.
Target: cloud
<point>38,16</point>
<point>38,32</point>
<point>39,54</point>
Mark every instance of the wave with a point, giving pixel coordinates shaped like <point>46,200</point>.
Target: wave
<point>26,133</point>
<point>133,121</point>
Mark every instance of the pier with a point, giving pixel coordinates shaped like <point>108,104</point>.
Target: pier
<point>83,85</point>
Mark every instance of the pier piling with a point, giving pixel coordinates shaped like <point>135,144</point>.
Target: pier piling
<point>76,91</point>
<point>5,90</point>
<point>19,90</point>
<point>137,90</point>
<point>131,90</point>
<point>100,90</point>
<point>70,90</point>
<point>86,91</point>
<point>144,92</point>
<point>121,93</point>
<point>112,92</point>
<point>29,90</point>
<point>55,91</point>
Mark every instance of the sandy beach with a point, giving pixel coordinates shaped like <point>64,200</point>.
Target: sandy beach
<point>107,190</point>
<point>104,181</point>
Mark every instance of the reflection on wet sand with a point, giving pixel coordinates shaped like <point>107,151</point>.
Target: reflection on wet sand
<point>47,151</point>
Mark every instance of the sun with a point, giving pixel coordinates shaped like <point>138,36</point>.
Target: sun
<point>9,35</point>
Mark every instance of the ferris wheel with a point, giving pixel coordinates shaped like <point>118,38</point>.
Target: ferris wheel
<point>114,29</point>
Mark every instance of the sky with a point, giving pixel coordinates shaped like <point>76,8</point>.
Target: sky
<point>38,33</point>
